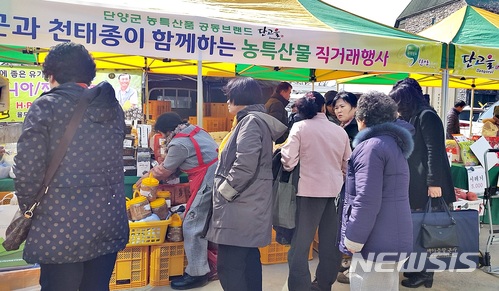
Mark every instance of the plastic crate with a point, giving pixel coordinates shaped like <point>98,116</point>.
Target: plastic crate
<point>156,108</point>
<point>276,253</point>
<point>167,260</point>
<point>131,268</point>
<point>147,233</point>
<point>211,124</point>
<point>315,243</point>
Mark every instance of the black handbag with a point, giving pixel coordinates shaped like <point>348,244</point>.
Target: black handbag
<point>439,236</point>
<point>464,255</point>
<point>18,229</point>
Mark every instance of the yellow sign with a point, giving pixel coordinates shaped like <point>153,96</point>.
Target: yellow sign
<point>473,61</point>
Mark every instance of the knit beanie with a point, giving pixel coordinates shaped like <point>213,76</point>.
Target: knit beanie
<point>167,122</point>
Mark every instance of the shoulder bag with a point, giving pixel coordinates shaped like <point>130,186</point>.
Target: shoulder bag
<point>19,227</point>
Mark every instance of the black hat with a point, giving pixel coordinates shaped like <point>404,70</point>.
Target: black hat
<point>167,122</point>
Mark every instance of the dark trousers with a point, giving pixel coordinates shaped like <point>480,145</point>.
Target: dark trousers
<point>93,275</point>
<point>239,268</point>
<point>312,213</point>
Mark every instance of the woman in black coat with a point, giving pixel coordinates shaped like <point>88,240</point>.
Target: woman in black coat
<point>429,167</point>
<point>345,106</point>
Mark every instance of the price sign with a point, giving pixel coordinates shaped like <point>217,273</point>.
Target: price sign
<point>476,179</point>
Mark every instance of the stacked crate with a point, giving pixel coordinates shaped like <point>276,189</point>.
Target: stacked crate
<point>155,108</point>
<point>276,253</point>
<point>315,243</point>
<point>131,269</point>
<point>216,117</point>
<point>167,260</point>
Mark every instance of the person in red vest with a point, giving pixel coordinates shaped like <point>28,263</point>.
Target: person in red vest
<point>192,150</point>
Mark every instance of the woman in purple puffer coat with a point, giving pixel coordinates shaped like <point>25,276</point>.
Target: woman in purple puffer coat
<point>376,214</point>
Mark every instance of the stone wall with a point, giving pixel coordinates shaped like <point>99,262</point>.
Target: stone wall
<point>419,22</point>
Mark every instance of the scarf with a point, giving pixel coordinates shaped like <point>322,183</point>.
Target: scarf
<point>172,134</point>
<point>226,138</point>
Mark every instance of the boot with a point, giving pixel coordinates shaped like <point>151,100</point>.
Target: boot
<point>418,279</point>
<point>188,282</point>
<point>410,274</point>
<point>343,275</point>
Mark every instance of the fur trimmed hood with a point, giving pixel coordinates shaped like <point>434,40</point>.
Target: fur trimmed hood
<point>400,133</point>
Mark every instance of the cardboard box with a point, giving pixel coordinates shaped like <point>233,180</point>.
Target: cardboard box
<point>143,161</point>
<point>462,204</point>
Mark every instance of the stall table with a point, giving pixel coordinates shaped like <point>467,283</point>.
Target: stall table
<point>460,179</point>
<point>7,185</point>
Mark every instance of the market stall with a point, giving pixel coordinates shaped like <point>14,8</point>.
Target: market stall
<point>211,37</point>
<point>289,35</point>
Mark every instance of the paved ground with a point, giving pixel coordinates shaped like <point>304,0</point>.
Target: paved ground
<point>274,276</point>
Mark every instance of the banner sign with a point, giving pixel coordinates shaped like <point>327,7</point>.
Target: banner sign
<point>473,61</point>
<point>26,83</point>
<point>42,23</point>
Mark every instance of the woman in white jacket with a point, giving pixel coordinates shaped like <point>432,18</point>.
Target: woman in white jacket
<point>322,148</point>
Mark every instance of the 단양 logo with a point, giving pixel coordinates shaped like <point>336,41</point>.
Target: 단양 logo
<point>412,53</point>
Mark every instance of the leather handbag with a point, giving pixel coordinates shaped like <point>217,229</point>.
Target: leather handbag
<point>439,236</point>
<point>18,229</point>
<point>463,255</point>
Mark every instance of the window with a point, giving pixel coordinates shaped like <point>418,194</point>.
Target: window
<point>179,97</point>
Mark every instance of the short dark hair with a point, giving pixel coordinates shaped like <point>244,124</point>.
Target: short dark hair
<point>375,108</point>
<point>167,122</point>
<point>330,96</point>
<point>310,104</point>
<point>69,62</point>
<point>409,100</point>
<point>283,86</point>
<point>125,74</point>
<point>348,97</point>
<point>460,103</point>
<point>244,91</point>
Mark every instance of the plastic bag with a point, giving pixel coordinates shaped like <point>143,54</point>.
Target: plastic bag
<point>489,129</point>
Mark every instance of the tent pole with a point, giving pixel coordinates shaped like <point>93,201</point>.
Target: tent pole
<point>445,95</point>
<point>146,91</point>
<point>445,87</point>
<point>199,110</point>
<point>472,101</point>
